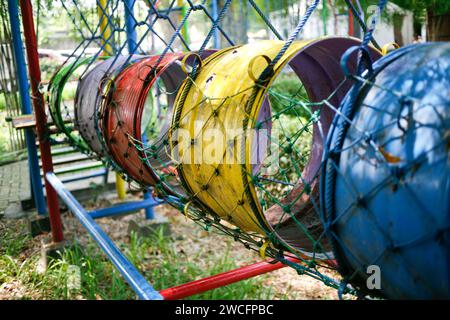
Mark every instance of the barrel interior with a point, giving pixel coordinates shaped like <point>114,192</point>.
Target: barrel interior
<point>289,194</point>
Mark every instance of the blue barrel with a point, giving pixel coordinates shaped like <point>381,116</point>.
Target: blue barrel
<point>386,178</point>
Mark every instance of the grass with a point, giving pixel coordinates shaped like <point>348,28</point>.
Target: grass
<point>172,268</point>
<point>69,91</point>
<point>2,101</point>
<point>95,277</point>
<point>12,156</point>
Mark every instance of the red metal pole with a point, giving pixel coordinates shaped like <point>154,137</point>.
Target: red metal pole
<point>351,27</point>
<point>221,279</point>
<point>41,118</point>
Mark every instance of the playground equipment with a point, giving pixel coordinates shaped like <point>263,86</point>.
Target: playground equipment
<point>130,106</point>
<point>386,181</point>
<point>141,105</point>
<point>231,181</point>
<point>89,99</point>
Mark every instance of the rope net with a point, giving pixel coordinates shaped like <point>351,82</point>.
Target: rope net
<point>231,137</point>
<point>385,175</point>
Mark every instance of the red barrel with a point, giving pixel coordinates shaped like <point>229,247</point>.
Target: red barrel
<point>125,115</point>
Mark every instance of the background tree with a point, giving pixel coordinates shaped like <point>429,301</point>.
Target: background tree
<point>436,13</point>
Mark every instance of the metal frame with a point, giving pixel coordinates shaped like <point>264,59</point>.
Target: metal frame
<point>33,160</point>
<point>37,192</point>
<point>135,279</point>
<point>55,187</point>
<point>40,115</point>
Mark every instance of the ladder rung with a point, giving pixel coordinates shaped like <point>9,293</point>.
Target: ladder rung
<point>71,159</point>
<point>78,168</point>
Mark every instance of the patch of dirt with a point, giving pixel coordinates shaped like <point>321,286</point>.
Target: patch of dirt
<point>13,290</point>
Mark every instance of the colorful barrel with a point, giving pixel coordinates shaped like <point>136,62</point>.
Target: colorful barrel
<point>92,89</point>
<point>226,98</point>
<point>64,119</point>
<point>387,177</point>
<point>138,115</point>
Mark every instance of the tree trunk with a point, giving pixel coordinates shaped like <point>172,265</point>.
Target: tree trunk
<point>398,24</point>
<point>438,26</point>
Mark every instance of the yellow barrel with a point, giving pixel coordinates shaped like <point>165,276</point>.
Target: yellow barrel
<point>213,130</point>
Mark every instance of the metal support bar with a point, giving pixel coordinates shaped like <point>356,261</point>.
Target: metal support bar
<point>41,118</point>
<point>149,212</point>
<point>125,208</point>
<point>130,24</point>
<point>222,279</point>
<point>351,25</point>
<point>105,28</point>
<point>78,177</point>
<point>142,288</point>
<point>139,284</point>
<point>215,14</point>
<point>107,49</point>
<point>33,160</point>
<point>185,29</point>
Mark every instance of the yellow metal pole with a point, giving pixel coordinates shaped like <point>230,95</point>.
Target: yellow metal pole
<point>105,28</point>
<point>184,30</point>
<point>107,49</point>
<point>120,187</point>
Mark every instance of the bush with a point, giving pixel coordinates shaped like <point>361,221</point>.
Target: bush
<point>48,68</point>
<point>285,90</point>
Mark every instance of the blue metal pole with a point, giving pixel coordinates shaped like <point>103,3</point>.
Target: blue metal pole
<point>72,178</point>
<point>33,160</point>
<point>130,25</point>
<point>125,208</point>
<point>215,14</point>
<point>142,288</point>
<point>149,212</point>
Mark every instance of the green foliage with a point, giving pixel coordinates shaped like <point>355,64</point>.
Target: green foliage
<point>69,92</point>
<point>10,156</point>
<point>51,18</point>
<point>48,68</point>
<point>2,102</point>
<point>285,90</point>
<point>420,7</point>
<point>437,6</point>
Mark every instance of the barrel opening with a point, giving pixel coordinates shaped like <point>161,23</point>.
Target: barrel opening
<point>292,207</point>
